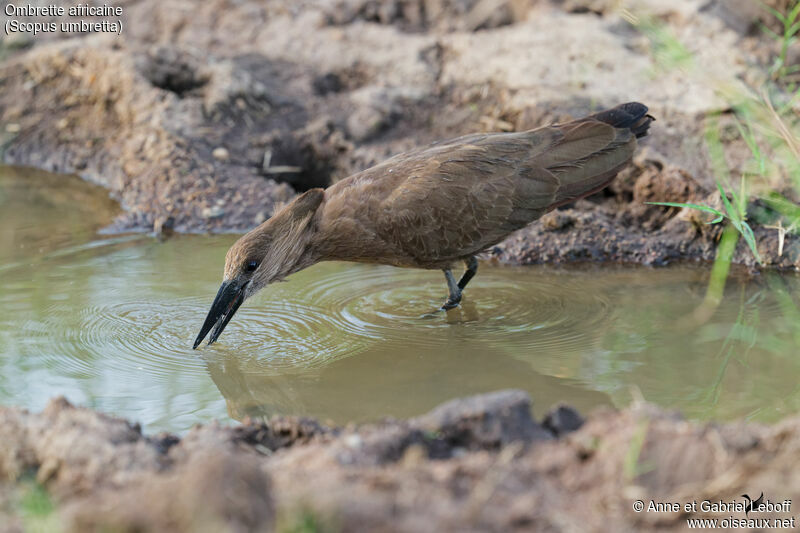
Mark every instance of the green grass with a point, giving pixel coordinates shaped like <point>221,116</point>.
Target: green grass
<point>763,191</point>
<point>736,207</point>
<point>305,520</point>
<point>667,50</point>
<point>632,465</point>
<point>771,168</point>
<point>790,20</point>
<point>766,130</point>
<point>36,508</point>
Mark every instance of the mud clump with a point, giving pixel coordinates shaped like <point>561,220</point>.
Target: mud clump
<point>211,491</point>
<point>486,422</point>
<point>73,450</point>
<point>474,464</point>
<point>464,422</point>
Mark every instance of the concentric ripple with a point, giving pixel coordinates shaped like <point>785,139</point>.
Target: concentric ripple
<point>141,336</point>
<point>325,314</point>
<point>288,335</point>
<point>336,310</point>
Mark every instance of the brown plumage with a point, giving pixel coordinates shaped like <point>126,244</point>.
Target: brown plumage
<point>433,207</point>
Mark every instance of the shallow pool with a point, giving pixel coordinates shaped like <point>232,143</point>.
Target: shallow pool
<point>108,321</point>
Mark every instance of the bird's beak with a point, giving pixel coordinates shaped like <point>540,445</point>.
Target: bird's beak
<point>228,299</point>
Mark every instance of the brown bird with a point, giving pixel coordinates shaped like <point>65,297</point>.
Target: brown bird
<point>432,207</point>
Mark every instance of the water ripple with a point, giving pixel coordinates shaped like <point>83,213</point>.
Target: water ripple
<point>300,326</point>
<point>142,336</point>
<point>353,307</point>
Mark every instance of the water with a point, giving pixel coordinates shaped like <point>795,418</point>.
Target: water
<point>109,323</point>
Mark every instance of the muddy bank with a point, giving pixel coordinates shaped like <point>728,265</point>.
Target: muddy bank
<point>207,118</point>
<point>474,464</point>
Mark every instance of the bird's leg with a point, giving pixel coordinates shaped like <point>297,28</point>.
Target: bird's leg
<point>469,273</point>
<point>455,291</point>
<point>455,288</point>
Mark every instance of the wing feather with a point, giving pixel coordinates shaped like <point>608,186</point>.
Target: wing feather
<point>456,198</point>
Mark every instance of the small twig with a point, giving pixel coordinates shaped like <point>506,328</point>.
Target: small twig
<point>283,169</point>
<point>781,234</point>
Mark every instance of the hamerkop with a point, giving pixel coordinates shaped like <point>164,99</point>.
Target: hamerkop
<point>433,207</point>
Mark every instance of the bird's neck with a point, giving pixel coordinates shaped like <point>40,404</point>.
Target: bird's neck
<point>294,251</point>
<point>306,258</point>
<point>297,237</point>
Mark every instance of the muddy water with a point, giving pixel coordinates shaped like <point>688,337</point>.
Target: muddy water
<point>109,322</point>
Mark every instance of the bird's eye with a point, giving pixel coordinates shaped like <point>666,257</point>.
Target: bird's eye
<point>251,266</point>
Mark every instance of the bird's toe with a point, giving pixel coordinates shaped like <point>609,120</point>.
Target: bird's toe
<point>450,303</point>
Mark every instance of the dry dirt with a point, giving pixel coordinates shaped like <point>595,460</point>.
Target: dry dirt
<point>205,117</point>
<point>474,464</point>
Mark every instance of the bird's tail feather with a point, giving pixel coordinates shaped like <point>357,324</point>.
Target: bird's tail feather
<point>632,115</point>
<point>580,166</point>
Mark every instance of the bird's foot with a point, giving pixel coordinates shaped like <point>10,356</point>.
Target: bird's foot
<point>451,303</point>
<point>455,291</point>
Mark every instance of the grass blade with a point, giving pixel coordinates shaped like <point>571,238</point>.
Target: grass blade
<point>691,206</point>
<point>733,214</point>
<point>750,238</point>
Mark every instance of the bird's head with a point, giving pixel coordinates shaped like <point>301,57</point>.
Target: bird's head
<point>269,253</point>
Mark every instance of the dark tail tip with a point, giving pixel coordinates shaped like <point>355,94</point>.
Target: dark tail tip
<point>632,115</point>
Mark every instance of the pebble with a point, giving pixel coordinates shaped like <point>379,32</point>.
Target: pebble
<point>13,128</point>
<point>220,154</point>
<point>414,456</point>
<point>366,123</point>
<point>213,212</point>
<point>353,441</point>
<point>557,220</point>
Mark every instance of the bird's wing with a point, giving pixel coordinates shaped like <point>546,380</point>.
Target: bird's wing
<point>459,197</point>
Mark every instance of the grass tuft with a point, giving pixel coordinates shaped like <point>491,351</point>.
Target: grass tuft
<point>780,70</point>
<point>667,50</point>
<point>36,508</point>
<point>735,207</point>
